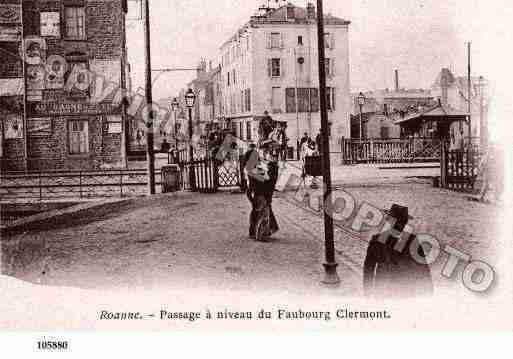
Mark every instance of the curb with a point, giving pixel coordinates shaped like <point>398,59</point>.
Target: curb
<point>58,216</point>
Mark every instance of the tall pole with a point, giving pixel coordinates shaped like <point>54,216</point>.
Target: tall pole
<point>483,125</point>
<point>298,132</point>
<point>175,129</point>
<point>330,266</point>
<point>191,154</point>
<point>361,123</point>
<point>469,96</point>
<point>150,156</point>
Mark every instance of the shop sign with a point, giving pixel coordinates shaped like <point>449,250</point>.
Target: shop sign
<point>38,127</point>
<point>10,14</point>
<point>13,127</point>
<point>76,108</point>
<point>10,33</point>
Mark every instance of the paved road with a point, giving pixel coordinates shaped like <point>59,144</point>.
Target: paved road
<point>200,241</point>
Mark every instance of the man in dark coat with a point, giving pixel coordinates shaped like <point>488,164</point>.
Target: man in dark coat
<point>392,272</point>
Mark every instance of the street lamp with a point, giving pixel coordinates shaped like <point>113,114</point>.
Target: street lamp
<point>190,98</point>
<point>361,102</point>
<point>174,107</point>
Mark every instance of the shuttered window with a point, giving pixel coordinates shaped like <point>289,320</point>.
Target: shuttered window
<point>75,22</point>
<point>78,137</point>
<point>303,99</point>
<point>290,100</point>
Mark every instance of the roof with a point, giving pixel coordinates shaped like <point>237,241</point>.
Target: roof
<point>279,16</point>
<point>438,113</point>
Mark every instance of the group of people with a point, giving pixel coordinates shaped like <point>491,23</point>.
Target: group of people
<point>309,147</point>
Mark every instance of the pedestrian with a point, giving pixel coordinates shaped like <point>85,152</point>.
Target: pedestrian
<point>318,142</point>
<point>262,183</point>
<point>165,146</point>
<point>248,162</point>
<point>138,136</point>
<point>390,270</point>
<point>283,139</point>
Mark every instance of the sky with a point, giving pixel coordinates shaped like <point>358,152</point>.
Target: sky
<point>417,37</point>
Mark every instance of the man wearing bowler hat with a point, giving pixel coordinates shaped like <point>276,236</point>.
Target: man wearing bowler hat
<point>390,269</point>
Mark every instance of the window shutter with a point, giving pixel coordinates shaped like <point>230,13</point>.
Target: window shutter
<point>282,40</point>
<point>332,64</point>
<point>332,41</point>
<point>333,97</point>
<point>282,68</point>
<point>269,67</point>
<point>268,37</point>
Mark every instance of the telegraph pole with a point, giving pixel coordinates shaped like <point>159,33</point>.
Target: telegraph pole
<point>469,96</point>
<point>150,155</point>
<point>330,267</point>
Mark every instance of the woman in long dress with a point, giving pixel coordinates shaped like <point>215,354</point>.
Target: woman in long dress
<point>262,183</point>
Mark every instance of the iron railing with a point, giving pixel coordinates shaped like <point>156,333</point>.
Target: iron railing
<point>62,184</point>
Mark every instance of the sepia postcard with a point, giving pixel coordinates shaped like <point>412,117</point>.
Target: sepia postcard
<point>254,166</point>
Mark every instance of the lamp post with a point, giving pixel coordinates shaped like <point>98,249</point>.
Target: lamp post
<point>150,154</point>
<point>190,98</point>
<point>361,102</point>
<point>330,266</point>
<point>174,107</point>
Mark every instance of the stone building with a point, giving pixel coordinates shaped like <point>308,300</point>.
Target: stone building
<point>271,64</point>
<point>68,111</point>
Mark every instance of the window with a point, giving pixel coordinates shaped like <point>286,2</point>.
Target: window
<point>275,99</point>
<point>78,137</point>
<point>328,40</point>
<point>290,100</point>
<point>330,98</point>
<point>384,132</point>
<point>248,131</point>
<point>275,40</point>
<point>275,67</point>
<point>240,130</point>
<point>234,79</point>
<point>300,40</point>
<point>248,99</point>
<point>75,22</point>
<point>228,78</point>
<point>303,99</point>
<point>327,65</point>
<point>314,100</point>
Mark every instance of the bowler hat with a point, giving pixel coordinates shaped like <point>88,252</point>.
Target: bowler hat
<point>398,212</point>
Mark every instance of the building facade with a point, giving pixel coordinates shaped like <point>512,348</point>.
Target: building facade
<point>70,77</point>
<point>383,107</point>
<point>271,64</point>
<point>453,92</point>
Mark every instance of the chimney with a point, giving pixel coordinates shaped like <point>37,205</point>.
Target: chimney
<point>397,80</point>
<point>202,68</point>
<point>310,11</point>
<point>445,78</point>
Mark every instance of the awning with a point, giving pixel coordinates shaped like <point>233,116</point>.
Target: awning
<point>439,113</point>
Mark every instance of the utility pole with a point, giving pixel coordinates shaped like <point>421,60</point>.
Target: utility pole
<point>469,96</point>
<point>150,155</point>
<point>330,267</point>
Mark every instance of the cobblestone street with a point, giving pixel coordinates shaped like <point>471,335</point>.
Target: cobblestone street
<point>200,241</point>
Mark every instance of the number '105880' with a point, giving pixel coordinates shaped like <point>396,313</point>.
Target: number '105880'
<point>51,345</point>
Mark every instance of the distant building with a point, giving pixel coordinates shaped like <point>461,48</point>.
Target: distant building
<point>271,64</point>
<point>383,107</point>
<point>453,92</point>
<point>62,107</point>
